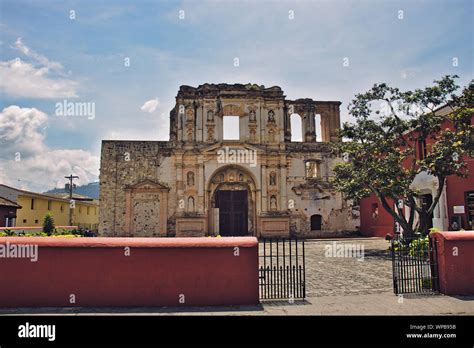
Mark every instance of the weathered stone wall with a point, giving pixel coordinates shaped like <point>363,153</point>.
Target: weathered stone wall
<point>125,164</point>
<point>152,188</point>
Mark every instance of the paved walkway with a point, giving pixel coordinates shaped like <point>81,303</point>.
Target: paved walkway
<point>374,304</point>
<point>346,275</point>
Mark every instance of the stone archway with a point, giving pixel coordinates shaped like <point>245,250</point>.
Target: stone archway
<point>226,189</point>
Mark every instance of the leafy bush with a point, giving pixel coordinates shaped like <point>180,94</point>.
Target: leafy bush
<point>419,247</point>
<point>62,233</point>
<point>426,283</point>
<point>7,233</point>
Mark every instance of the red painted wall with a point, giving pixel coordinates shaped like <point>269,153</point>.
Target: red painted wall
<point>456,273</point>
<point>455,194</point>
<point>157,271</point>
<point>374,227</point>
<point>455,191</point>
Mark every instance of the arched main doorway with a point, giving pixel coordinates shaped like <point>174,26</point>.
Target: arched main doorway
<point>231,197</point>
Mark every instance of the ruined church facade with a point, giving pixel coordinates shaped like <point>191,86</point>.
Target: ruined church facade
<point>199,183</point>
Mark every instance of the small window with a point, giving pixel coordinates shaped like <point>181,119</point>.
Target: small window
<point>375,210</point>
<point>62,208</point>
<point>316,222</point>
<point>422,150</point>
<point>36,221</point>
<point>24,221</point>
<point>80,210</point>
<point>231,128</point>
<point>87,210</point>
<point>50,205</point>
<point>312,169</point>
<point>32,204</point>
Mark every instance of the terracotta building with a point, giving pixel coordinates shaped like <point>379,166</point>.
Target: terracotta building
<point>229,168</point>
<point>455,209</point>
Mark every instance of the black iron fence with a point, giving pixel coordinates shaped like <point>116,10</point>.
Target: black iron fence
<point>415,267</point>
<point>282,269</point>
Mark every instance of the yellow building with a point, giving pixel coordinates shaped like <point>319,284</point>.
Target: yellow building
<point>85,212</point>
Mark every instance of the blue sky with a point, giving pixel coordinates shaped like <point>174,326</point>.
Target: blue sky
<point>82,60</point>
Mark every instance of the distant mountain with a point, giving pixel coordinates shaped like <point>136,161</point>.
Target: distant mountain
<point>90,190</point>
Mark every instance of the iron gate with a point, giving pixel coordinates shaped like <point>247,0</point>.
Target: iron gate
<point>282,269</point>
<point>414,266</point>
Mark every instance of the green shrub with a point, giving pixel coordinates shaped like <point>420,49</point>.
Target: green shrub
<point>9,232</point>
<point>426,283</point>
<point>419,247</point>
<point>48,224</point>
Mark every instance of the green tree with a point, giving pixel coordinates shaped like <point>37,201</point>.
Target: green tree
<point>380,148</point>
<point>48,224</point>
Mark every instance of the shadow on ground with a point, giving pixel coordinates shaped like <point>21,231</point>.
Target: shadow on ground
<point>128,310</point>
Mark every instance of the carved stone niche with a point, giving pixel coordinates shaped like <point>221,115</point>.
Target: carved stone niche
<point>252,131</point>
<point>146,209</point>
<point>210,116</point>
<point>189,115</point>
<point>190,132</point>
<point>210,133</point>
<point>271,116</point>
<point>252,116</point>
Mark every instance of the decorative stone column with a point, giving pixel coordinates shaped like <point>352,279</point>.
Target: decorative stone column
<point>264,188</point>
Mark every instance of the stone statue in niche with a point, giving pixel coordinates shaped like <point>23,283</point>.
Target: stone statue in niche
<point>252,135</point>
<point>271,116</point>
<point>190,133</point>
<point>191,204</point>
<point>210,134</point>
<point>189,115</point>
<point>241,177</point>
<point>210,116</point>
<point>190,179</point>
<point>272,179</point>
<point>271,136</point>
<point>273,203</point>
<point>252,116</point>
<point>219,178</point>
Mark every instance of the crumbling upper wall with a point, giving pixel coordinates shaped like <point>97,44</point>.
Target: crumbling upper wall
<point>264,114</point>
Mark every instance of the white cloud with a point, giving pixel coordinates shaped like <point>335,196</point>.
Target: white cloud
<point>19,131</point>
<point>150,105</point>
<point>40,78</point>
<point>26,162</point>
<point>39,58</point>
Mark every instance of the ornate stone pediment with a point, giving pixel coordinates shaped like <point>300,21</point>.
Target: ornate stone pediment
<point>147,184</point>
<point>318,187</point>
<point>212,149</point>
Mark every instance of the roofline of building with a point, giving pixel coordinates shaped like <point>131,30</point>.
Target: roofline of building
<point>13,204</point>
<point>42,195</point>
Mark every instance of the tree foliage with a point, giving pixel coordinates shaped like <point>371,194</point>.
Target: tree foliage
<point>48,224</point>
<point>381,149</point>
